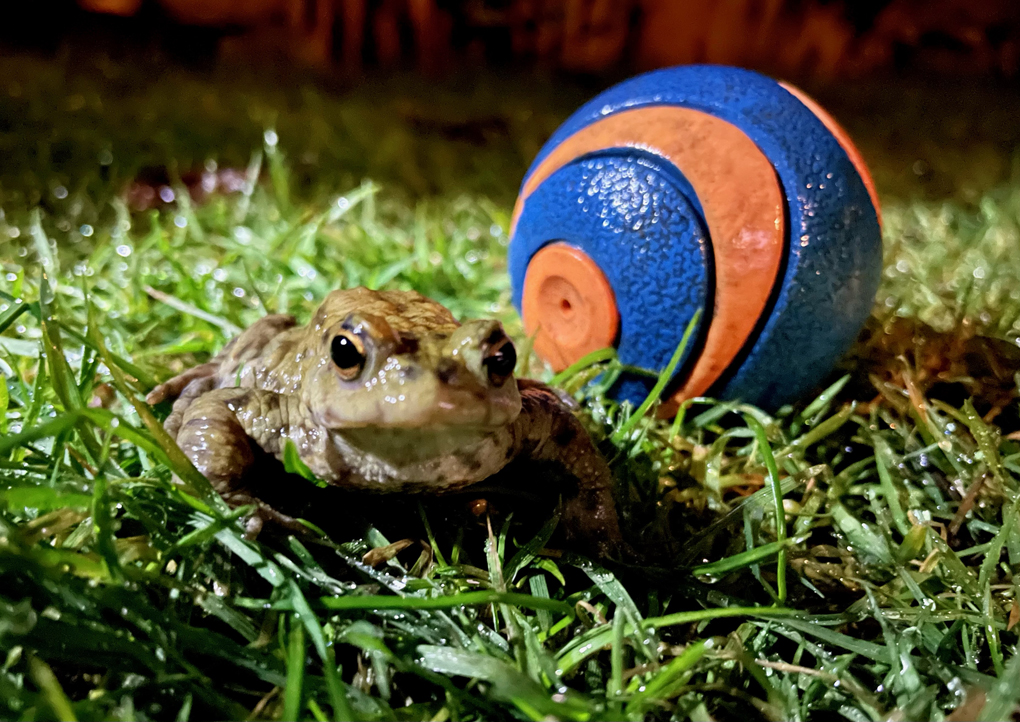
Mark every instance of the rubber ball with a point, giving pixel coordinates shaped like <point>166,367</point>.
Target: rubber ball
<point>699,188</point>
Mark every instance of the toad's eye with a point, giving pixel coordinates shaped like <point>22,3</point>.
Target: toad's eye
<point>349,356</point>
<point>500,361</point>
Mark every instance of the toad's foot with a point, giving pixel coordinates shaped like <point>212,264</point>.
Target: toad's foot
<point>261,514</point>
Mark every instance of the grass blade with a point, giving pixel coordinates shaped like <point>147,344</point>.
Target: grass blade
<point>660,384</point>
<point>292,694</point>
<point>777,495</point>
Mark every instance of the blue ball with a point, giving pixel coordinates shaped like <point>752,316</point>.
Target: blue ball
<point>646,180</point>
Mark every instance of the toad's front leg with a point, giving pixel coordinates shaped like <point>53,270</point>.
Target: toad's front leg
<point>229,434</point>
<point>548,431</point>
<point>194,383</point>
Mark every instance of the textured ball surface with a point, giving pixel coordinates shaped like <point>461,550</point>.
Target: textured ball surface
<point>726,170</point>
<point>627,214</point>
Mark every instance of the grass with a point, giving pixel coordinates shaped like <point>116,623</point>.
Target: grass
<point>885,591</point>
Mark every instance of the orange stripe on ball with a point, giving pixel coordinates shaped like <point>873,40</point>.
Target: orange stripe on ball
<point>843,138</point>
<point>743,207</point>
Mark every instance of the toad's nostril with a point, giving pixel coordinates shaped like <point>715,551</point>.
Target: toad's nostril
<point>446,370</point>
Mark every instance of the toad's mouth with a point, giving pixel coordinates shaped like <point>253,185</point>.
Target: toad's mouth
<point>443,412</point>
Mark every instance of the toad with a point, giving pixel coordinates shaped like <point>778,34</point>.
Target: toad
<point>383,391</point>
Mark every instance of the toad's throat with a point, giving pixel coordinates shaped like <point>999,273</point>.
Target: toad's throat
<point>433,459</point>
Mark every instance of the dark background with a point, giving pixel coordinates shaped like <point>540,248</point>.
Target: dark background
<point>793,38</point>
<point>435,97</point>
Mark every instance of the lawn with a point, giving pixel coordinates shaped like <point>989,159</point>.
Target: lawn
<point>887,591</point>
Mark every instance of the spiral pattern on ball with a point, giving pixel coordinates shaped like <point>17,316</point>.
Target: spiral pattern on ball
<point>699,187</point>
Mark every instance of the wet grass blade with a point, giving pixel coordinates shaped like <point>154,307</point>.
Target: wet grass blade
<point>102,519</point>
<point>52,692</point>
<point>180,463</point>
<point>660,384</point>
<point>590,359</point>
<point>663,684</point>
<point>292,695</point>
<point>742,560</point>
<point>883,461</point>
<point>508,683</point>
<point>591,642</point>
<point>765,449</point>
<point>1002,698</point>
<point>444,602</point>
